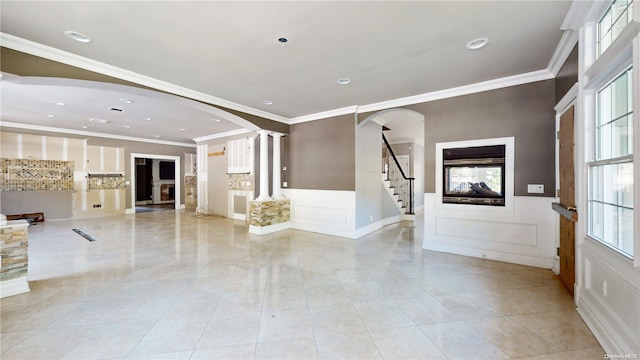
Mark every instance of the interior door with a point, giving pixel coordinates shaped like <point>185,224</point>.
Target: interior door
<point>567,200</point>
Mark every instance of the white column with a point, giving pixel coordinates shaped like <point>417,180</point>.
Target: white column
<point>277,183</point>
<point>264,166</point>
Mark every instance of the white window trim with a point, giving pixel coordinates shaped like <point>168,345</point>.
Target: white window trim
<point>597,71</point>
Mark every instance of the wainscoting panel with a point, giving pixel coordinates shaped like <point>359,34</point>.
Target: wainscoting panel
<point>609,300</point>
<point>323,211</point>
<point>523,235</point>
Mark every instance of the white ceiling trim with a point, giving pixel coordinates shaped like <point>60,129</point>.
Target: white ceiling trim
<point>221,135</point>
<point>461,90</point>
<point>567,42</point>
<point>90,133</point>
<point>47,52</point>
<point>324,114</point>
<point>436,95</point>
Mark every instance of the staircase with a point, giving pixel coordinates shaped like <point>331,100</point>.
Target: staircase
<point>398,185</point>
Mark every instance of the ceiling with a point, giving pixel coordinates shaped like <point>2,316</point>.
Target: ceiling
<point>229,51</point>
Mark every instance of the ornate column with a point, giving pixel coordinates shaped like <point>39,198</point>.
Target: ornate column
<point>277,183</point>
<point>263,195</point>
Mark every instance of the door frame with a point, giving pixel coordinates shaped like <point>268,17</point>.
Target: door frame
<point>567,101</point>
<point>132,187</point>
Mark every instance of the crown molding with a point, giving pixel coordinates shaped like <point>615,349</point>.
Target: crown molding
<point>9,124</point>
<point>48,52</point>
<point>221,135</point>
<point>567,42</point>
<point>461,90</point>
<point>324,114</point>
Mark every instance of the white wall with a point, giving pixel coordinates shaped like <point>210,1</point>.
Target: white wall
<point>522,235</point>
<point>368,173</point>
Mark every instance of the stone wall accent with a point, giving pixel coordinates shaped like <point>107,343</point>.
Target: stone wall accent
<point>191,180</point>
<point>13,250</point>
<point>241,182</point>
<point>28,174</point>
<point>106,181</point>
<point>265,213</point>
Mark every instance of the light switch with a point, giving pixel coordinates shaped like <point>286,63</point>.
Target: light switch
<point>535,189</point>
<point>284,184</point>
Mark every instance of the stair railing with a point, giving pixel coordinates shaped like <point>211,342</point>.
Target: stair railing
<point>395,174</point>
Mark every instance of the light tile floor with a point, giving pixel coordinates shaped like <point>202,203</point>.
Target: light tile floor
<point>172,285</point>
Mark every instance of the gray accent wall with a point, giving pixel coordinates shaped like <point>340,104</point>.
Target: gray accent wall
<point>321,154</point>
<point>568,74</point>
<point>524,112</point>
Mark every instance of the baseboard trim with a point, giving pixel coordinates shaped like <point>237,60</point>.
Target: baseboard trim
<point>129,211</point>
<point>14,287</point>
<point>491,255</point>
<point>264,230</point>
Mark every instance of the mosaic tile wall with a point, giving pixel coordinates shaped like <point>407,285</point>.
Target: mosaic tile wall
<point>27,174</point>
<point>240,182</point>
<point>265,213</point>
<point>191,180</point>
<point>106,182</point>
<point>13,247</point>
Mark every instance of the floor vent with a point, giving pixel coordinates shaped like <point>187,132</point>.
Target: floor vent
<point>84,235</point>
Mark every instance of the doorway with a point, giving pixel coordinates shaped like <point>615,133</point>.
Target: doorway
<point>156,183</point>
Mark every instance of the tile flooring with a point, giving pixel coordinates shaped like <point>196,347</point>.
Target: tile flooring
<point>172,285</point>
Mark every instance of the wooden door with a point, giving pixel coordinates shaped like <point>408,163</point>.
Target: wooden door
<point>567,200</point>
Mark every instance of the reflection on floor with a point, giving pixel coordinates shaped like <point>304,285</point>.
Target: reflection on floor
<point>171,285</point>
<point>154,207</point>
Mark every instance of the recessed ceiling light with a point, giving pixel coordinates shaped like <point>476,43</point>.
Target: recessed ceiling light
<point>477,43</point>
<point>181,129</point>
<point>77,36</point>
<point>59,103</point>
<point>157,136</point>
<point>49,115</point>
<point>101,121</point>
<point>216,120</point>
<point>267,102</point>
<point>84,126</point>
<point>283,40</point>
<point>147,119</point>
<point>126,101</point>
<point>344,81</point>
<point>126,126</point>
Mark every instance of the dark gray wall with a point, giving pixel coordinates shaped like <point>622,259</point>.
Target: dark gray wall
<point>568,74</point>
<point>524,112</point>
<point>321,154</point>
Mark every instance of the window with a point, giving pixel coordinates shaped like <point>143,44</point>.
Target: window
<point>611,173</point>
<point>614,20</point>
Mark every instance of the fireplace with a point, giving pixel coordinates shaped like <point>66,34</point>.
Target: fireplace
<point>474,175</point>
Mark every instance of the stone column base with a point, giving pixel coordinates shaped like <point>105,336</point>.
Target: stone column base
<point>269,216</point>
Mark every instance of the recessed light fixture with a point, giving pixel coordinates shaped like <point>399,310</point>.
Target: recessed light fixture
<point>59,103</point>
<point>126,126</point>
<point>182,129</point>
<point>77,36</point>
<point>126,101</point>
<point>84,126</point>
<point>157,136</point>
<point>344,81</point>
<point>267,102</point>
<point>216,120</point>
<point>101,121</point>
<point>49,115</point>
<point>147,118</point>
<point>283,40</point>
<point>477,43</point>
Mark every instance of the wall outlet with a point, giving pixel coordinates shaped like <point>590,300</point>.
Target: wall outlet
<point>535,189</point>
<point>97,206</point>
<point>284,184</point>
